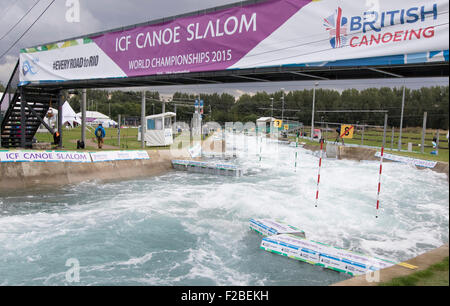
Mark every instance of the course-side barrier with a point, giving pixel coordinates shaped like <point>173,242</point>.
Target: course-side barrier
<point>207,168</point>
<point>323,255</point>
<point>289,241</point>
<point>268,227</point>
<point>118,155</point>
<point>69,156</point>
<point>408,160</point>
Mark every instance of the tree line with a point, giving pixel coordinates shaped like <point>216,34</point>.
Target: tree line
<point>297,104</point>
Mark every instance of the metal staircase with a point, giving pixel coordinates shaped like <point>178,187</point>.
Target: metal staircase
<point>25,112</point>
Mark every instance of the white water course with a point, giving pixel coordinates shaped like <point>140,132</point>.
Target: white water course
<point>186,228</point>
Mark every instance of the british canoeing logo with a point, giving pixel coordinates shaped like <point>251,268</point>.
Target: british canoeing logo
<point>336,25</point>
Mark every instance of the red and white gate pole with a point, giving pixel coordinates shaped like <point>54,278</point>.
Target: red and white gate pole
<point>320,166</point>
<point>379,180</point>
<point>381,163</point>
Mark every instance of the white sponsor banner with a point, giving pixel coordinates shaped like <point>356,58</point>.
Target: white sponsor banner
<point>118,155</point>
<point>265,34</point>
<point>322,254</point>
<point>408,160</point>
<point>270,227</point>
<point>87,59</point>
<point>355,32</point>
<point>44,156</point>
<point>70,156</point>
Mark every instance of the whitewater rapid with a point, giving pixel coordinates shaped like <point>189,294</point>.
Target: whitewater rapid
<point>192,229</point>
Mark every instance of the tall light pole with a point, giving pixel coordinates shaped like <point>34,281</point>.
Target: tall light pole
<point>271,111</point>
<point>143,123</point>
<point>83,116</point>
<point>282,106</point>
<point>401,119</point>
<point>313,106</point>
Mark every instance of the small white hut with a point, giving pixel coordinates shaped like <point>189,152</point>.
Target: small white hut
<point>159,130</point>
<point>265,124</point>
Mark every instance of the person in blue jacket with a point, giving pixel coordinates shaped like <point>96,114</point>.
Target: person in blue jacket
<point>100,134</point>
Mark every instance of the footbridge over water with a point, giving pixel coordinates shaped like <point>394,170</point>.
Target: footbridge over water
<point>249,41</point>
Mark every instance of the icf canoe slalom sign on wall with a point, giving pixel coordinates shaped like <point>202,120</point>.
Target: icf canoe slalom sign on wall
<point>264,34</point>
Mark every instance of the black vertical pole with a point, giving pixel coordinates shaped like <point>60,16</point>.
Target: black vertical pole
<point>191,137</point>
<point>22,119</point>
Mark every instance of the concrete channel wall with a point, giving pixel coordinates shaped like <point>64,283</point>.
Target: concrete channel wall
<point>359,154</point>
<point>22,175</point>
<point>420,263</point>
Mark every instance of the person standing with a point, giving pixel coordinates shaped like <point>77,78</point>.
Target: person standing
<point>100,133</point>
<point>339,136</point>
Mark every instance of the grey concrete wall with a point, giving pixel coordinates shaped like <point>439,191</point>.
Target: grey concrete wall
<point>17,176</point>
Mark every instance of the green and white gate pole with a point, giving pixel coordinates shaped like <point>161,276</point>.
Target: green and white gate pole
<point>118,130</point>
<point>296,153</point>
<point>143,123</point>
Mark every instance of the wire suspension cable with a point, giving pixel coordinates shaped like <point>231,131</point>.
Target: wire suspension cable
<point>28,29</point>
<point>20,20</point>
<point>8,8</point>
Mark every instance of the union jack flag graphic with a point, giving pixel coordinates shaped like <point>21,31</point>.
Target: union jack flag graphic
<point>336,25</point>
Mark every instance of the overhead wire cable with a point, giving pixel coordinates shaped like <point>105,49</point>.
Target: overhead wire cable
<point>20,20</point>
<point>27,30</point>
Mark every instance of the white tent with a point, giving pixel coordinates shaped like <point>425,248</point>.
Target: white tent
<point>69,117</point>
<point>94,118</point>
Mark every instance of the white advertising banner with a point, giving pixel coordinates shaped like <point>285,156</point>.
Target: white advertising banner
<point>44,156</point>
<point>321,254</point>
<point>272,33</point>
<point>118,155</point>
<point>408,160</point>
<point>70,156</point>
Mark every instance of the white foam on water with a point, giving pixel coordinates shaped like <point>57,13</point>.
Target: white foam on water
<point>192,229</point>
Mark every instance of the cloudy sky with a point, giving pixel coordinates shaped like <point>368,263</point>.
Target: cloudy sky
<point>99,15</point>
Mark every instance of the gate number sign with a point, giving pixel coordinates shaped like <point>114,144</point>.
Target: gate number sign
<point>347,131</point>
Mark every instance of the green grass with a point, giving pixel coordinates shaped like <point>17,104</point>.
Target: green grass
<point>375,138</point>
<point>70,136</point>
<point>435,275</point>
<point>128,139</point>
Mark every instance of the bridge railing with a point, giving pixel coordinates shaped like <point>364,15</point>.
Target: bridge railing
<point>10,90</point>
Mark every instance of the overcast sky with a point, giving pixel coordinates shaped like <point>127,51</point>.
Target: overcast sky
<point>99,15</point>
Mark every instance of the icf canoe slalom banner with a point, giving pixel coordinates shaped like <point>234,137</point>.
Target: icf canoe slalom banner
<point>273,33</point>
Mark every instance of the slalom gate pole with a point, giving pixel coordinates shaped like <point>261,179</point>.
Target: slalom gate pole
<point>379,180</point>
<point>320,166</point>
<point>296,153</point>
<point>260,148</point>
<point>257,141</point>
<point>381,163</point>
